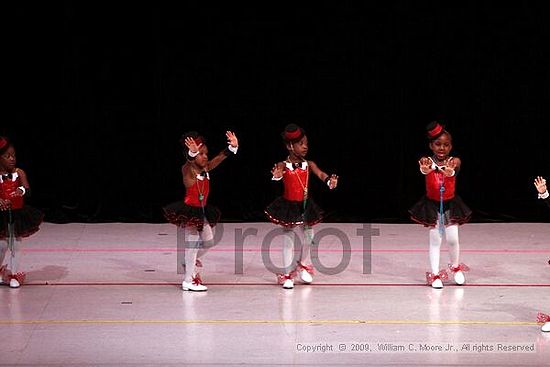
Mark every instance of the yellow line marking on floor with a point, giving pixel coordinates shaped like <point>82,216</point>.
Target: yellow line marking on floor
<point>226,322</point>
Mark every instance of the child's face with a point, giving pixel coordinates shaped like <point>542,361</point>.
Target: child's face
<point>299,148</point>
<point>7,160</point>
<point>202,158</point>
<point>441,147</point>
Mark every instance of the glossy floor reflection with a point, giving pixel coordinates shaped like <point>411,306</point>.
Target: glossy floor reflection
<point>108,294</point>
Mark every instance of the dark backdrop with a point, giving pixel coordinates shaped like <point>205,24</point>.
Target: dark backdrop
<point>99,94</point>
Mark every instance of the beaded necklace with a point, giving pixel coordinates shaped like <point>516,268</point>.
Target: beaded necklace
<point>200,188</point>
<point>441,181</point>
<point>304,187</point>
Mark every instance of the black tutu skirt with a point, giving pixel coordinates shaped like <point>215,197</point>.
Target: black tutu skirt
<point>181,215</point>
<point>426,211</point>
<point>26,221</point>
<point>291,213</point>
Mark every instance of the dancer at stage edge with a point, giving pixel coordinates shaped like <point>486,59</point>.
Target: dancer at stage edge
<point>540,184</point>
<point>440,208</point>
<point>193,216</point>
<point>17,220</point>
<point>296,208</point>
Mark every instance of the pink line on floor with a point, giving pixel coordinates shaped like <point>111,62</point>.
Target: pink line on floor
<point>275,284</point>
<point>173,249</point>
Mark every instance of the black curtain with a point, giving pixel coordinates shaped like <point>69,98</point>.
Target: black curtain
<point>101,92</point>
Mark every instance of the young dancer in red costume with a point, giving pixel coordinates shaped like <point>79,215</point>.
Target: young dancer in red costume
<point>441,209</point>
<point>542,189</point>
<point>296,208</point>
<point>193,215</point>
<point>17,220</point>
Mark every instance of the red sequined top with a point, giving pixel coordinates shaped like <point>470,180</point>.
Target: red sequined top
<point>433,185</point>
<point>295,179</point>
<point>9,185</point>
<point>200,187</point>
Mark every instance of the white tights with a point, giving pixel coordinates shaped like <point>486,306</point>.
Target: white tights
<point>197,243</point>
<point>291,240</point>
<point>13,260</point>
<point>451,235</point>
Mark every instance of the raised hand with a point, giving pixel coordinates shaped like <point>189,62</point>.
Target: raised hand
<point>452,163</point>
<point>192,145</point>
<point>540,184</point>
<point>425,164</point>
<point>277,171</point>
<point>333,181</point>
<point>449,169</point>
<point>232,139</point>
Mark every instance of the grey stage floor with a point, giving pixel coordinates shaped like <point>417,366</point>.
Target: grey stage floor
<point>109,295</point>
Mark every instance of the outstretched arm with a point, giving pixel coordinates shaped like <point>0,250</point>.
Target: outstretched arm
<point>331,181</point>
<point>233,145</point>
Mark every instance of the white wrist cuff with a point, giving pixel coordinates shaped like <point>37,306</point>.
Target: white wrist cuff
<point>22,188</point>
<point>276,178</point>
<point>233,149</point>
<point>193,154</point>
<point>544,195</point>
